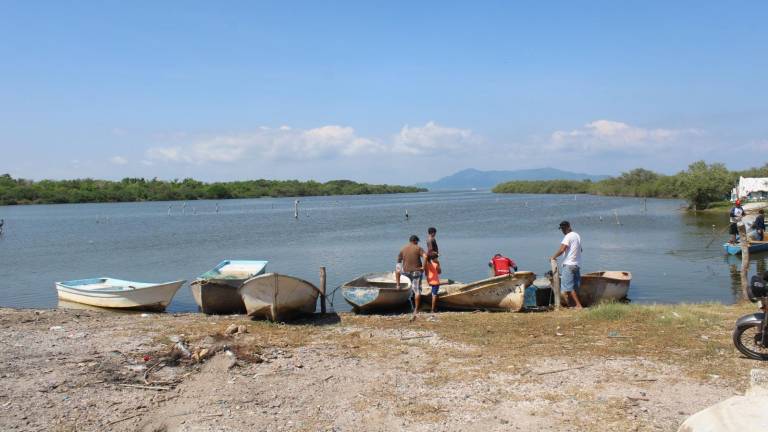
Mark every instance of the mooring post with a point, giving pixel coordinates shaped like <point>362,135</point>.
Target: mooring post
<point>322,290</point>
<point>555,283</point>
<point>744,241</point>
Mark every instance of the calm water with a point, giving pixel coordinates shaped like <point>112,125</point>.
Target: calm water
<point>664,248</point>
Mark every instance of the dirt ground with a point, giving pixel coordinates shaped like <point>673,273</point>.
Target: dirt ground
<point>612,368</point>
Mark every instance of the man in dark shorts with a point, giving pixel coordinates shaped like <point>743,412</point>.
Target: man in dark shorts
<point>409,263</point>
<point>760,225</point>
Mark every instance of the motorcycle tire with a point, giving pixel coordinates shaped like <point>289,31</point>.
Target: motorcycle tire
<point>744,349</point>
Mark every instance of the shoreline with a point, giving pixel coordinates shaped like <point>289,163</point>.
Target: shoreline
<point>612,367</point>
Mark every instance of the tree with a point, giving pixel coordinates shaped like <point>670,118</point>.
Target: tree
<point>702,184</point>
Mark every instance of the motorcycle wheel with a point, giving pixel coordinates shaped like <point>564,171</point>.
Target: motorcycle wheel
<point>746,340</point>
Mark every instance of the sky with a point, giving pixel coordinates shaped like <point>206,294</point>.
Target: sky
<point>383,92</point>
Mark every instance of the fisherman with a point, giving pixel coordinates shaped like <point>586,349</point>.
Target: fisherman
<point>501,265</point>
<point>409,263</point>
<point>759,225</point>
<point>570,247</point>
<point>736,213</point>
<point>2,224</point>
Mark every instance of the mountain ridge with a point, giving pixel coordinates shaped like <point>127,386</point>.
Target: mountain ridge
<point>472,178</point>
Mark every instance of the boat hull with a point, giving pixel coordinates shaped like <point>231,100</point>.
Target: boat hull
<point>278,297</point>
<point>500,293</point>
<point>151,298</point>
<point>377,292</point>
<point>217,298</point>
<point>605,286</point>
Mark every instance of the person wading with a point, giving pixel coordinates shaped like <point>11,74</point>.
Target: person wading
<point>409,263</point>
<point>571,276</point>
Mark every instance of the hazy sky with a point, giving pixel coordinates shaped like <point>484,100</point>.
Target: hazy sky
<point>394,92</point>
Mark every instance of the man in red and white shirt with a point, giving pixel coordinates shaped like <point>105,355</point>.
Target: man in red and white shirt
<point>502,265</point>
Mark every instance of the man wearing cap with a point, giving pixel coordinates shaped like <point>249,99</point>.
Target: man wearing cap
<point>737,212</point>
<point>571,276</point>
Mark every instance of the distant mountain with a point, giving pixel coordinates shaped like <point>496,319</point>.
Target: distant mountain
<point>472,178</point>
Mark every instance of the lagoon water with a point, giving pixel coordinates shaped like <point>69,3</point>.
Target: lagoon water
<point>672,255</point>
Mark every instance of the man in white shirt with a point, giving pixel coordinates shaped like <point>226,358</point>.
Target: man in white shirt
<point>735,216</point>
<point>570,275</point>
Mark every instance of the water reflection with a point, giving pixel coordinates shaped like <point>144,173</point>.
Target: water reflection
<point>758,263</point>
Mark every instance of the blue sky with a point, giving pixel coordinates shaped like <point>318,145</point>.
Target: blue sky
<point>395,92</point>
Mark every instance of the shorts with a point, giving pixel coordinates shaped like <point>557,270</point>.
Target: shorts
<point>435,289</point>
<point>415,277</point>
<point>569,280</point>
<point>734,230</point>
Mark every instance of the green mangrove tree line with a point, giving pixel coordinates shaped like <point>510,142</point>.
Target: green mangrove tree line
<point>21,191</point>
<point>700,185</point>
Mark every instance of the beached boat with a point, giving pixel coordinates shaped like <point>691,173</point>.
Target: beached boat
<point>603,286</point>
<point>498,293</point>
<point>376,291</point>
<point>754,247</point>
<point>215,291</point>
<point>278,297</point>
<point>119,294</point>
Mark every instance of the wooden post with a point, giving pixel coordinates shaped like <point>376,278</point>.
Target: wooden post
<point>555,283</point>
<point>322,290</point>
<point>744,241</point>
<point>274,299</point>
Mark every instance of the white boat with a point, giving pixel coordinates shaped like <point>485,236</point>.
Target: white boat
<point>119,294</point>
<point>278,297</point>
<point>215,291</point>
<point>603,286</point>
<point>499,293</point>
<point>376,291</point>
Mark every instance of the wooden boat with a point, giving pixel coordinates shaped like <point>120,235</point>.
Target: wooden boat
<point>603,286</point>
<point>278,297</point>
<point>215,291</point>
<point>754,246</point>
<point>376,291</point>
<point>498,293</point>
<point>119,294</point>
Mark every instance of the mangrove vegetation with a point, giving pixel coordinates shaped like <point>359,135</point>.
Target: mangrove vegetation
<point>700,185</point>
<point>21,191</point>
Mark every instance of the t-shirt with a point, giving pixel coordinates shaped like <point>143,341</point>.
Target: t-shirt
<point>760,223</point>
<point>410,256</point>
<point>736,214</point>
<point>572,242</point>
<point>502,265</point>
<point>432,269</point>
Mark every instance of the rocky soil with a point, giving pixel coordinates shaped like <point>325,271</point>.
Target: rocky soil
<point>67,370</point>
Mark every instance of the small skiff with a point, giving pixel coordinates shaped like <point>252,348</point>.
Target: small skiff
<point>754,247</point>
<point>376,291</point>
<point>278,297</point>
<point>119,294</point>
<point>499,293</point>
<point>603,286</point>
<point>215,291</point>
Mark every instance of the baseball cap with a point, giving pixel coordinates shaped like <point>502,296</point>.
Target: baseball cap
<point>564,224</point>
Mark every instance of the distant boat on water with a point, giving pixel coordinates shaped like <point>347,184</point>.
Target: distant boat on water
<point>108,292</point>
<point>215,291</point>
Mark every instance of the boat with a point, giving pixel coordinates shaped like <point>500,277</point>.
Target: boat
<point>498,293</point>
<point>114,293</point>
<point>603,286</point>
<point>376,291</point>
<point>278,297</point>
<point>215,291</point>
<point>754,246</point>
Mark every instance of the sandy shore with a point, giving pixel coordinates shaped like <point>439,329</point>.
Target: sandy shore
<point>614,368</point>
